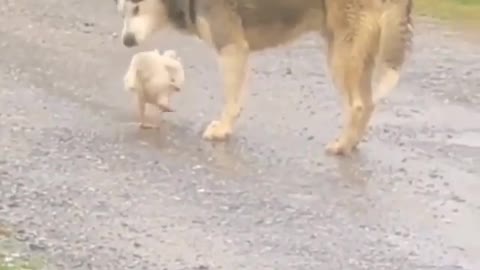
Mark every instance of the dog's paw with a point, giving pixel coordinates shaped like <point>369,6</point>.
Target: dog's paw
<point>217,131</point>
<point>339,148</point>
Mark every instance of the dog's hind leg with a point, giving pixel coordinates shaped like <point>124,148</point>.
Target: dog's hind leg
<point>233,64</point>
<point>395,40</point>
<point>351,62</point>
<point>385,79</point>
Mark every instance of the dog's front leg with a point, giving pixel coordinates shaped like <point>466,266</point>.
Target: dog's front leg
<point>233,65</point>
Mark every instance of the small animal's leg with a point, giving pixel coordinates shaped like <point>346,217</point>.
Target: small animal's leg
<point>163,104</point>
<point>141,114</point>
<point>352,71</point>
<point>233,64</point>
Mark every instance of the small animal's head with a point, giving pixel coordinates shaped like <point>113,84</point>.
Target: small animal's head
<point>176,78</point>
<point>141,18</point>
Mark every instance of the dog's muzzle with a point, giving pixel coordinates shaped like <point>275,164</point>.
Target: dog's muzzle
<point>129,40</point>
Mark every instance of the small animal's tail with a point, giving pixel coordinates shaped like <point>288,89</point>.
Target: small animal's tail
<point>394,43</point>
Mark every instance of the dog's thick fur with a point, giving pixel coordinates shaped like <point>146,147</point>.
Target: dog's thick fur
<point>154,77</point>
<point>367,41</point>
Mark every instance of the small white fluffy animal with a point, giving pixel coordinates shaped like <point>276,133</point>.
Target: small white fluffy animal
<point>154,77</point>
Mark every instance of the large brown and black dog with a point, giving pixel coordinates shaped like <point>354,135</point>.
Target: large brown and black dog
<point>367,43</point>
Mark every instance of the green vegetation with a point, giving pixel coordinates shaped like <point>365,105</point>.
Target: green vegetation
<point>13,254</point>
<point>9,262</point>
<point>462,11</point>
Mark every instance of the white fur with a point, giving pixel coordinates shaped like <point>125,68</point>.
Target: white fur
<point>154,76</point>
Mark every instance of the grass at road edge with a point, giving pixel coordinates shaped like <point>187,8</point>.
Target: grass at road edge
<point>13,262</point>
<point>461,11</point>
<point>13,256</point>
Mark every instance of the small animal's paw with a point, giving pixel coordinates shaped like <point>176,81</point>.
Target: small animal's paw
<point>217,131</point>
<point>148,126</point>
<point>165,108</point>
<point>339,147</point>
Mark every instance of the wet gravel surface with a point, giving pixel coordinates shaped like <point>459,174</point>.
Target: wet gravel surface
<point>81,185</point>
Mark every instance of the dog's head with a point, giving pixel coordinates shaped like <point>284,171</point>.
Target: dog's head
<point>141,18</point>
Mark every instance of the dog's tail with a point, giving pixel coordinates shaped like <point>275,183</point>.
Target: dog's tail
<point>394,43</point>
